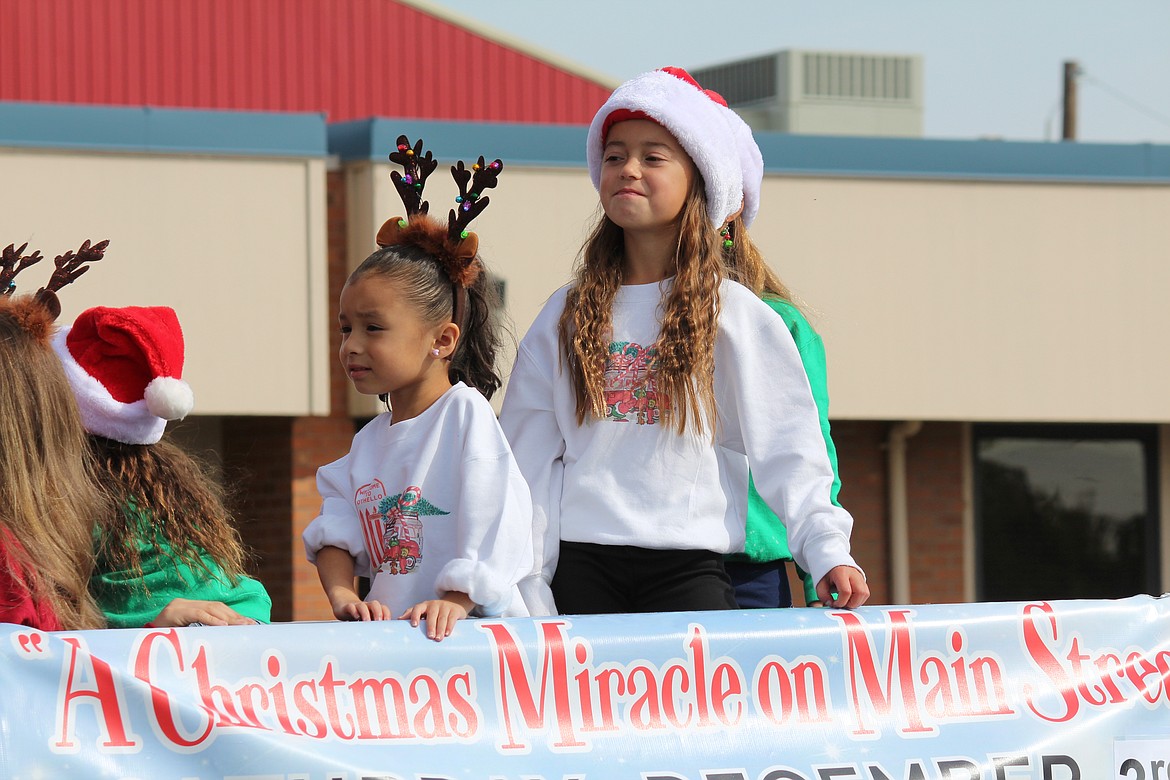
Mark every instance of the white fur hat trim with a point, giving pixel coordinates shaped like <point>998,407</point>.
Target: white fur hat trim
<point>101,414</point>
<point>751,163</point>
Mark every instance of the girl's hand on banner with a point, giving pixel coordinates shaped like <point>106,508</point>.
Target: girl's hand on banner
<point>441,614</point>
<point>362,610</point>
<point>843,586</point>
<point>184,612</point>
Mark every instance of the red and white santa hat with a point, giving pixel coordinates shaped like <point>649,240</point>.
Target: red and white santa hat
<point>699,120</point>
<point>126,368</point>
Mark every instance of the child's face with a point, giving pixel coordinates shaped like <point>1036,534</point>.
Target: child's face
<point>385,344</point>
<point>645,176</point>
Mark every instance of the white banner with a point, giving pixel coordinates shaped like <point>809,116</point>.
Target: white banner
<point>1073,690</point>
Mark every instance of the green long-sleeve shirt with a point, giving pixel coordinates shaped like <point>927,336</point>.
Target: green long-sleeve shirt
<point>767,539</point>
<point>131,601</point>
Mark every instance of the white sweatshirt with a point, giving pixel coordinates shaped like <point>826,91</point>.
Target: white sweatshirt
<point>630,480</point>
<point>428,505</point>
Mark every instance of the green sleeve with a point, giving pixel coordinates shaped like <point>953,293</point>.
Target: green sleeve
<point>766,537</point>
<point>812,356</point>
<point>810,587</point>
<point>131,600</point>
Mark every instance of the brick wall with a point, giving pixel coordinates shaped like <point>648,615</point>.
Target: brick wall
<point>861,461</point>
<point>934,495</point>
<point>315,442</point>
<point>272,462</point>
<point>934,476</point>
<point>256,456</point>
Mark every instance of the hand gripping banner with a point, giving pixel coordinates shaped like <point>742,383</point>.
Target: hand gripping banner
<point>1064,690</point>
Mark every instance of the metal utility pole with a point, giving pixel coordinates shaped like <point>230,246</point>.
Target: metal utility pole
<point>1071,69</point>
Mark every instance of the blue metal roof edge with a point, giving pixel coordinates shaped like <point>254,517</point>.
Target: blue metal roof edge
<point>962,159</point>
<point>845,156</point>
<point>257,133</point>
<point>166,130</point>
<point>519,144</point>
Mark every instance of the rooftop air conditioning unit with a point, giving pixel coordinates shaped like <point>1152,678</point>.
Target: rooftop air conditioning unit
<point>823,93</point>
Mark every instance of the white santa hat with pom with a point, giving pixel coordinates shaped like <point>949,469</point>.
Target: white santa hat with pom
<point>126,367</point>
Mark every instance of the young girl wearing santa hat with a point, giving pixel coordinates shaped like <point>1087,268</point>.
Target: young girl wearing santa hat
<point>646,388</point>
<point>169,553</point>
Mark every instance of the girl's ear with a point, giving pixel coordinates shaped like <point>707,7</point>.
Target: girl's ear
<point>446,340</point>
<point>734,215</point>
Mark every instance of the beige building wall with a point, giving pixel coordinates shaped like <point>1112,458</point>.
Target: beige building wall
<point>235,245</point>
<point>969,300</point>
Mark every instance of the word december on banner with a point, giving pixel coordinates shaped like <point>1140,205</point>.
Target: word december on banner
<point>1051,690</point>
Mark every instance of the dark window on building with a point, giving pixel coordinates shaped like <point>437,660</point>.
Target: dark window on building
<point>1065,511</point>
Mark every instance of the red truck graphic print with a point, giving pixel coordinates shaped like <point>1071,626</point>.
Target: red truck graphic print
<point>392,527</point>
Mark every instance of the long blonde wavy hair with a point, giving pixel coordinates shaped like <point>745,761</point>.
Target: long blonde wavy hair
<point>49,498</point>
<point>685,370</point>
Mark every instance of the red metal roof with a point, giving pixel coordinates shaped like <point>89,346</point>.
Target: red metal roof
<point>349,58</point>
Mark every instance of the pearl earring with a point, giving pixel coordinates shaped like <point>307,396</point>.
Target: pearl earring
<point>435,352</point>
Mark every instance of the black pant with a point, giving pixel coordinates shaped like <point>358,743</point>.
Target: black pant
<point>603,579</point>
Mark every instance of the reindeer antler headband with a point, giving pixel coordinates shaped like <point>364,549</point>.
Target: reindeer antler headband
<point>455,247</point>
<point>12,262</point>
<point>68,267</point>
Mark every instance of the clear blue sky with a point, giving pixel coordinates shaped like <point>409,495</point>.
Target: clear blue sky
<point>993,68</point>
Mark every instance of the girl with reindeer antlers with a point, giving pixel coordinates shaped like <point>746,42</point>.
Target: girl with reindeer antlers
<point>429,502</point>
<point>48,494</point>
<point>646,389</point>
